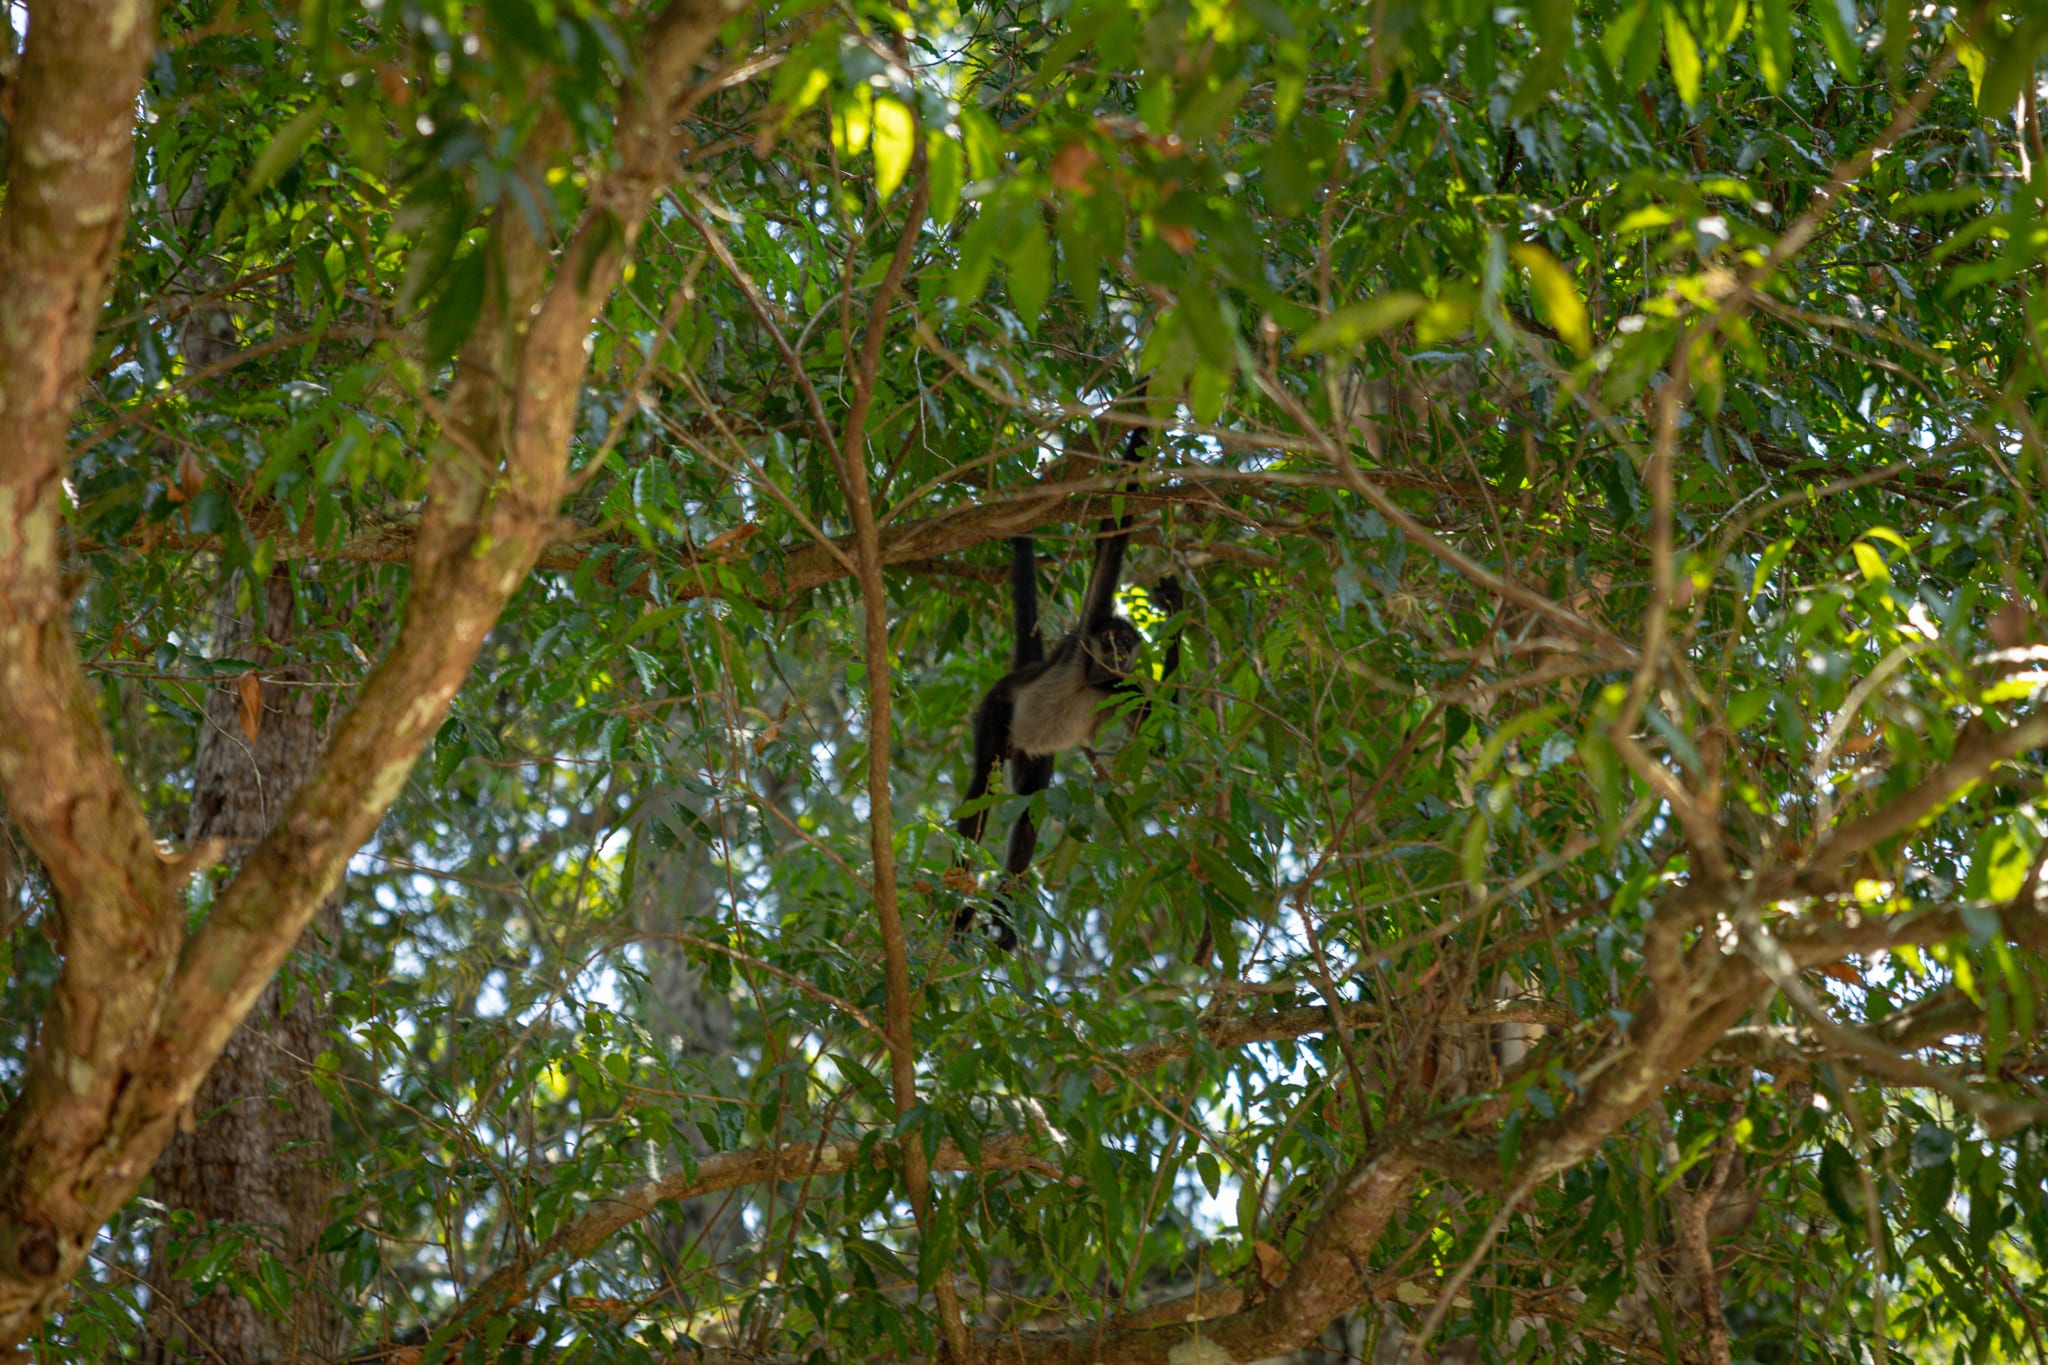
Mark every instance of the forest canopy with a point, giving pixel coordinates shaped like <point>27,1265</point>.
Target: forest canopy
<point>507,513</point>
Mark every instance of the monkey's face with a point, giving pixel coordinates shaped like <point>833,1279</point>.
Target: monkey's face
<point>1113,650</point>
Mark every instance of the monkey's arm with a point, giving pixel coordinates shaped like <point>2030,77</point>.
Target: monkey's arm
<point>1167,597</point>
<point>1098,603</point>
<point>1171,601</point>
<point>1030,646</point>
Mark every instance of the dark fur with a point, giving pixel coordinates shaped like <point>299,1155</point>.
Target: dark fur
<point>1050,702</point>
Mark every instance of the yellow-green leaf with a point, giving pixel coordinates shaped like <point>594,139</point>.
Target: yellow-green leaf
<point>1643,219</point>
<point>1999,868</point>
<point>1870,562</point>
<point>856,119</point>
<point>1447,316</point>
<point>1472,851</point>
<point>1358,322</point>
<point>1555,294</point>
<point>1972,59</point>
<point>894,135</point>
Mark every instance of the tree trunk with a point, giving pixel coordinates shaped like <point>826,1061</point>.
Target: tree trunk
<point>674,882</point>
<point>256,1165</point>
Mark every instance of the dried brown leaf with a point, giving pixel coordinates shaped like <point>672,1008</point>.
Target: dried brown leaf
<point>1073,168</point>
<point>738,535</point>
<point>191,479</point>
<point>250,688</point>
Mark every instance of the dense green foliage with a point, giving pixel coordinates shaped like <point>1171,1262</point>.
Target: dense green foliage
<point>1681,554</point>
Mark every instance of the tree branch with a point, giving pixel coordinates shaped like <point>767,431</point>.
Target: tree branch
<point>388,535</point>
<point>68,176</point>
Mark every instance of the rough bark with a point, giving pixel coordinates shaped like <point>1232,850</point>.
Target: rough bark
<point>256,1163</point>
<point>140,1013</point>
<point>69,162</point>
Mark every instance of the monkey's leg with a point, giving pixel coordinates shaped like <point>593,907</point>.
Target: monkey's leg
<point>991,745</point>
<point>1029,774</point>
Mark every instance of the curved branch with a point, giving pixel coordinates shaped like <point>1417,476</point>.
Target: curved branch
<point>606,1217</point>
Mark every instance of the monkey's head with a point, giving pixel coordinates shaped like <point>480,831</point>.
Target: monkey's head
<point>1112,650</point>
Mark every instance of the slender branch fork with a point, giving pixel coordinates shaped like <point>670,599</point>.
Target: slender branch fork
<point>851,460</point>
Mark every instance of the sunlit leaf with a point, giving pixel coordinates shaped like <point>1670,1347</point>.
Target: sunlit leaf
<point>1556,294</point>
<point>895,137</point>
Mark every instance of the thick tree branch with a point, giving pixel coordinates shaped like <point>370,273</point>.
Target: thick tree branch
<point>388,535</point>
<point>68,176</point>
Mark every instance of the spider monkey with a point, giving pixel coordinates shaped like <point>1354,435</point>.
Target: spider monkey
<point>1050,702</point>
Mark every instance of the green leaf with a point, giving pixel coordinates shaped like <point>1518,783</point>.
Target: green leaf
<point>1774,43</point>
<point>944,164</point>
<point>284,148</point>
<point>1747,706</point>
<point>2012,65</point>
<point>977,255</point>
<point>1644,45</point>
<point>1288,177</point>
<point>1082,261</point>
<point>1840,1188</point>
<point>1618,38</point>
<point>1030,272</point>
<point>1359,322</point>
<point>455,312</point>
<point>1552,20</point>
<point>1838,29</point>
<point>1932,1146</point>
<point>1899,31</point>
